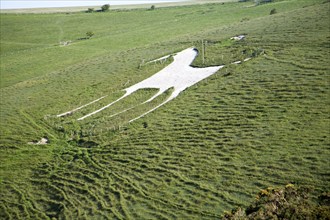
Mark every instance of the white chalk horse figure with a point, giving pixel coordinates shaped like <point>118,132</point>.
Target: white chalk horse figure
<point>179,75</point>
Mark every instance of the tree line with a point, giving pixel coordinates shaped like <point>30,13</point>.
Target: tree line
<point>104,8</point>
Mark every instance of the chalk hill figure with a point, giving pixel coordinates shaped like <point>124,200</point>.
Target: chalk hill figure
<point>179,75</point>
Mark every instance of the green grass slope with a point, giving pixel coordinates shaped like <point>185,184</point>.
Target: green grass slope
<point>264,122</point>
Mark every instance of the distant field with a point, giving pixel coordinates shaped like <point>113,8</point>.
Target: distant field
<point>113,7</point>
<point>262,123</point>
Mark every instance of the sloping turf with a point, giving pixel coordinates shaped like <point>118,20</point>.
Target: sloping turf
<point>262,123</point>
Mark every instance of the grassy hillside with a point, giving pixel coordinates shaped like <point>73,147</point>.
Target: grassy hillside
<point>113,7</point>
<point>264,122</point>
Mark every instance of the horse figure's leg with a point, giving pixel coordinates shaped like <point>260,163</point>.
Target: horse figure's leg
<point>107,106</point>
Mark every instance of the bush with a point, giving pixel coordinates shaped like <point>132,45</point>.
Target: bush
<point>273,11</point>
<point>284,203</point>
<point>105,8</point>
<point>145,124</point>
<point>89,34</point>
<point>258,2</point>
<point>90,10</point>
<point>152,7</point>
